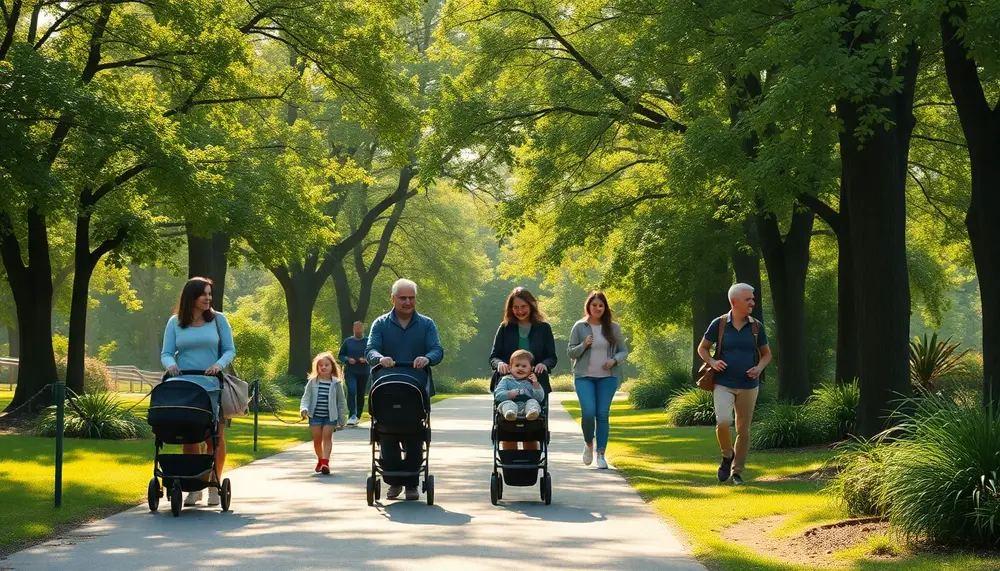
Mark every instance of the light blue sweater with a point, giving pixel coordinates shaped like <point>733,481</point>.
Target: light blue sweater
<point>198,348</point>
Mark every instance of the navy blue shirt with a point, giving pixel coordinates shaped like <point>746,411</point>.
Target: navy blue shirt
<point>737,351</point>
<point>354,348</point>
<point>419,339</point>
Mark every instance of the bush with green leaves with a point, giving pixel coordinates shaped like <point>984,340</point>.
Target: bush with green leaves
<point>839,404</point>
<point>272,397</point>
<point>784,425</point>
<point>291,385</point>
<point>860,483</point>
<point>95,415</point>
<point>96,375</point>
<point>655,392</point>
<point>691,407</point>
<point>562,384</point>
<point>445,385</point>
<point>474,387</point>
<point>942,480</point>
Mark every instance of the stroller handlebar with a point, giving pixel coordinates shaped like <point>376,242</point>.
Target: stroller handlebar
<point>399,365</point>
<point>199,372</point>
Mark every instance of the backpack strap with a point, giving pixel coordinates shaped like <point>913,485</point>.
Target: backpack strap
<point>722,331</point>
<point>756,348</point>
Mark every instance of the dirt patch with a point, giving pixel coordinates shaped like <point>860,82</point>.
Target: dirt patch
<point>807,476</point>
<point>816,546</point>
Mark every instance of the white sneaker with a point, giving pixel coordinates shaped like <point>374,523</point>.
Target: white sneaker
<point>602,464</point>
<point>213,493</point>
<point>192,498</point>
<point>353,421</point>
<point>510,415</point>
<point>588,455</point>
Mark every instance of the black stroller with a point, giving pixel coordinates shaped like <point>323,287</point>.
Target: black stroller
<point>180,412</point>
<point>520,467</point>
<point>399,405</point>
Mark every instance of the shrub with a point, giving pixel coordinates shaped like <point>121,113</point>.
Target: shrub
<point>96,376</point>
<point>272,397</point>
<point>691,407</point>
<point>860,484</point>
<point>290,385</point>
<point>942,479</point>
<point>839,404</point>
<point>95,415</point>
<point>445,385</point>
<point>655,392</point>
<point>931,360</point>
<point>562,384</point>
<point>474,387</point>
<point>785,425</point>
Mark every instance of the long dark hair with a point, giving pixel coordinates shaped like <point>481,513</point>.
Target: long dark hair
<point>606,327</point>
<point>193,289</point>
<point>524,295</point>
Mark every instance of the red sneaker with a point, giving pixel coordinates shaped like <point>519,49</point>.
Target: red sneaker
<point>325,466</point>
<point>319,465</point>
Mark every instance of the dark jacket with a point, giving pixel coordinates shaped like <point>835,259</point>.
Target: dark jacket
<point>541,343</point>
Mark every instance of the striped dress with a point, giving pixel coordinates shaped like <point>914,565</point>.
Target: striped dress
<point>323,400</point>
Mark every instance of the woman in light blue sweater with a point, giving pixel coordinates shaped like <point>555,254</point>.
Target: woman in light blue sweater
<point>199,338</point>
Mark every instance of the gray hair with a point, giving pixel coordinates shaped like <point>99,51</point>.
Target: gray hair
<point>401,283</point>
<point>737,289</point>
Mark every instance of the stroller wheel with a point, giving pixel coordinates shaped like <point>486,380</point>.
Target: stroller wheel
<point>547,489</point>
<point>500,486</point>
<point>153,495</point>
<point>176,502</point>
<point>226,494</point>
<point>494,488</point>
<point>429,484</point>
<point>378,489</point>
<point>370,491</point>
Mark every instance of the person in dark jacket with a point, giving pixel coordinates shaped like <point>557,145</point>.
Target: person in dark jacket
<point>523,327</point>
<point>356,371</point>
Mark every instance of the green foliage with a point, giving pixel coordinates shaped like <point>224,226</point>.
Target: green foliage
<point>104,352</point>
<point>691,407</point>
<point>95,415</point>
<point>941,480</point>
<point>839,404</point>
<point>272,397</point>
<point>562,384</point>
<point>254,347</point>
<point>96,376</point>
<point>445,385</point>
<point>930,360</point>
<point>860,483</point>
<point>474,387</point>
<point>784,425</point>
<point>654,392</point>
<point>290,385</point>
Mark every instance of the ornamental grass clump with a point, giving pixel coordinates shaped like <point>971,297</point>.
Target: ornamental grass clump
<point>95,415</point>
<point>691,407</point>
<point>784,425</point>
<point>839,404</point>
<point>941,478</point>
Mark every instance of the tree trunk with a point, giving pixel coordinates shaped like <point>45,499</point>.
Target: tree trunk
<point>787,262</point>
<point>847,319</point>
<point>746,266</point>
<point>709,301</point>
<point>13,341</point>
<point>873,176</point>
<point>301,303</point>
<point>209,258</point>
<point>981,126</point>
<point>31,286</point>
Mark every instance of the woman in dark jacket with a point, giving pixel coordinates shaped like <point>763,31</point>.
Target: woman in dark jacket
<point>523,327</point>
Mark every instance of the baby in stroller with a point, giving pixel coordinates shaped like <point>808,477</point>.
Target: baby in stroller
<point>519,394</point>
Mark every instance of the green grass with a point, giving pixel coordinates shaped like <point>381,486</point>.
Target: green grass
<point>673,469</point>
<point>101,477</point>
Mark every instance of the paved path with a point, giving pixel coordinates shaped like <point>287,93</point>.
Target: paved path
<point>286,517</point>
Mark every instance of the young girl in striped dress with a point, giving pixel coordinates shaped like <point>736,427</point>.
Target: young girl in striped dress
<point>325,403</point>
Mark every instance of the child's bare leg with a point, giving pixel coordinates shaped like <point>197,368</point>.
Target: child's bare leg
<point>327,442</point>
<point>317,432</point>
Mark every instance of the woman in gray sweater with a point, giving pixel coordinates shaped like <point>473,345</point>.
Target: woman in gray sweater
<point>597,350</point>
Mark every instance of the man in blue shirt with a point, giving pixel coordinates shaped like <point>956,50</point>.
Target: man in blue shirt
<point>742,356</point>
<point>356,370</point>
<point>404,336</point>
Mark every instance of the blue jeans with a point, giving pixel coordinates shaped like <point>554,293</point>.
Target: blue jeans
<point>356,384</point>
<point>317,421</point>
<point>595,394</point>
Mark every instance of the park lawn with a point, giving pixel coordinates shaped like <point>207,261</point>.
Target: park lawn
<point>101,477</point>
<point>674,470</point>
